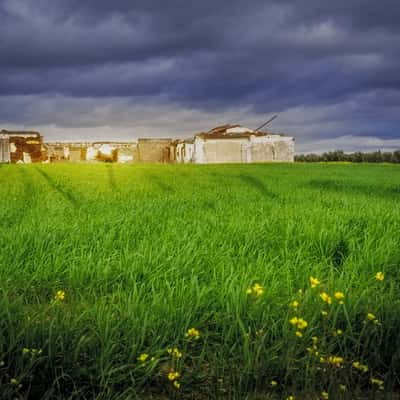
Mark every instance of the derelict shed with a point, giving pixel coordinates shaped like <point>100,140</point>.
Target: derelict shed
<point>235,144</point>
<point>23,147</point>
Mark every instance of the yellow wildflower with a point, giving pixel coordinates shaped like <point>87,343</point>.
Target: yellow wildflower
<point>376,381</point>
<point>14,381</point>
<point>325,395</point>
<point>193,333</point>
<point>175,352</point>
<point>338,332</point>
<point>360,367</point>
<point>299,334</point>
<point>290,398</point>
<point>256,289</point>
<point>326,298</point>
<point>60,295</point>
<point>339,296</point>
<point>294,304</point>
<point>379,276</point>
<point>173,375</point>
<point>335,360</point>
<point>314,282</point>
<point>177,384</point>
<point>143,357</point>
<point>301,323</point>
<point>371,316</point>
<point>274,383</point>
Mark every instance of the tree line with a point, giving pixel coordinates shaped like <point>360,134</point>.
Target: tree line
<point>357,157</point>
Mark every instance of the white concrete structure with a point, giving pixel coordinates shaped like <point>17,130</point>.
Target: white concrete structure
<point>235,144</point>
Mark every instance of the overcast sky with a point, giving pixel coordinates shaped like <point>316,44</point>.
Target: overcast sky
<point>122,69</point>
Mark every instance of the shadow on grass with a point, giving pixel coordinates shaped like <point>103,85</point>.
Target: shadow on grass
<point>157,181</point>
<point>26,201</point>
<point>111,178</point>
<point>59,188</point>
<point>258,184</point>
<point>392,192</point>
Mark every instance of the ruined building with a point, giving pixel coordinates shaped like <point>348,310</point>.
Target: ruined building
<point>21,147</point>
<point>235,144</point>
<point>223,144</point>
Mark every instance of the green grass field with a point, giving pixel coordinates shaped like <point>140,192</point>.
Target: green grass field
<point>103,268</point>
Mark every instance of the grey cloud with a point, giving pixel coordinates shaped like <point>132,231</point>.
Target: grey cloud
<point>206,57</point>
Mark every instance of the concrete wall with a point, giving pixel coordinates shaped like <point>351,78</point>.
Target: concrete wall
<point>272,148</point>
<point>262,152</point>
<point>154,150</point>
<point>4,149</point>
<point>284,150</point>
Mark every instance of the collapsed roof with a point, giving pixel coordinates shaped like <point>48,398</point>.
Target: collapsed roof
<point>230,131</point>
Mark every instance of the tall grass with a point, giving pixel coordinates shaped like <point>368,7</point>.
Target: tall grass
<point>146,252</point>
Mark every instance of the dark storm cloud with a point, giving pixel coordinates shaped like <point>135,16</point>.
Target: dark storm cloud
<point>268,56</point>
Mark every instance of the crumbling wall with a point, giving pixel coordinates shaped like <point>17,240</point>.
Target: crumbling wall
<point>27,149</point>
<point>262,152</point>
<point>154,150</point>
<point>284,150</point>
<point>225,151</point>
<point>4,149</point>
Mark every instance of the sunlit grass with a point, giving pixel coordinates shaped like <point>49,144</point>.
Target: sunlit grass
<point>158,281</point>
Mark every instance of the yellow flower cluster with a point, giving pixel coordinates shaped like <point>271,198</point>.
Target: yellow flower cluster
<point>300,324</point>
<point>371,317</point>
<point>143,357</point>
<point>173,377</point>
<point>294,304</point>
<point>274,383</point>
<point>257,290</point>
<point>326,298</point>
<point>314,348</point>
<point>360,367</point>
<point>314,282</point>
<point>378,382</point>
<point>33,352</point>
<point>59,296</point>
<point>379,276</point>
<point>324,395</point>
<point>336,361</point>
<point>339,296</point>
<point>193,333</point>
<point>174,352</point>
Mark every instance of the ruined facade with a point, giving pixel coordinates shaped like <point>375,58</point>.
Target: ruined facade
<point>223,144</point>
<point>235,144</point>
<point>21,147</point>
<point>122,152</point>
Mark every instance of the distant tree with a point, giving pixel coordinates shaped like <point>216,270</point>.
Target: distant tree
<point>357,157</point>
